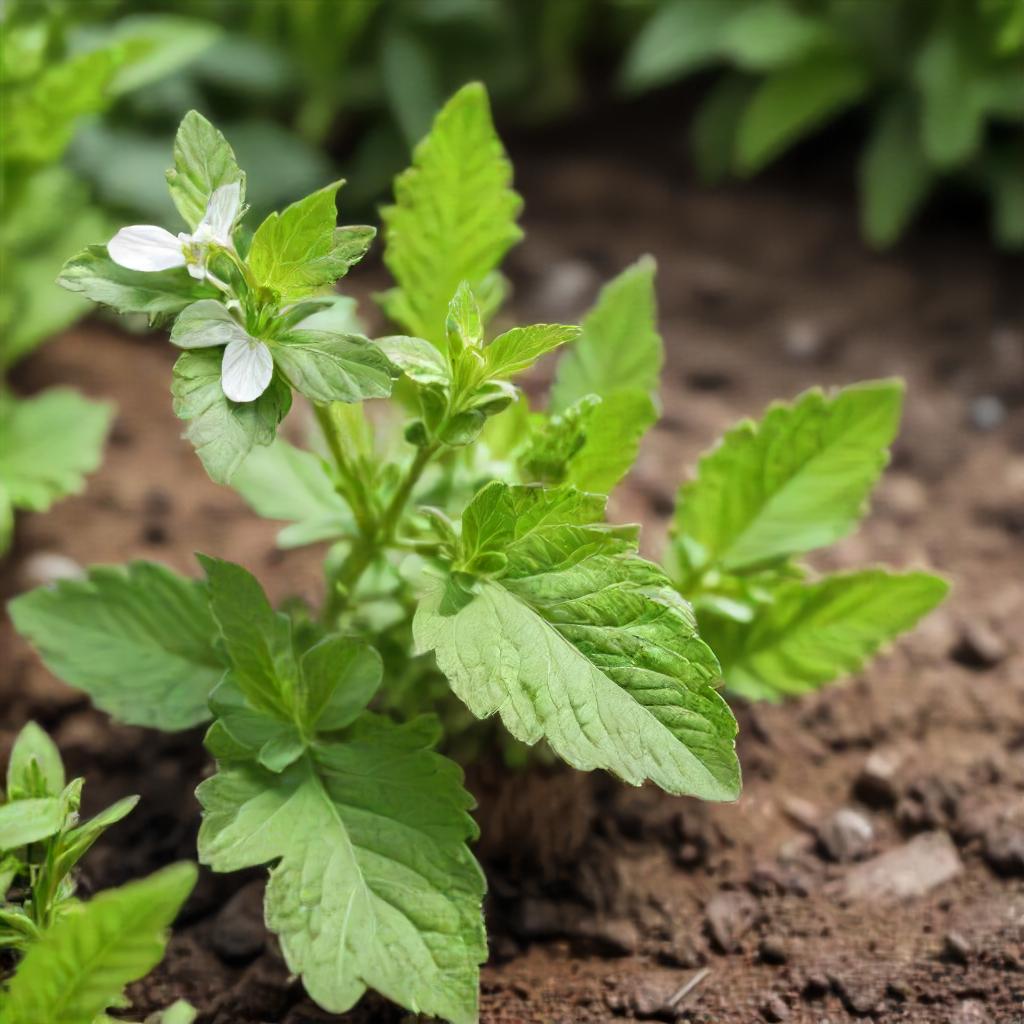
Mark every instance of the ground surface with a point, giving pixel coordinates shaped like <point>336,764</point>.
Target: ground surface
<point>605,901</point>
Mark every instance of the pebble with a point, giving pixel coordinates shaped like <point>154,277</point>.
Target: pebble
<point>238,933</point>
<point>877,785</point>
<point>43,568</point>
<point>730,916</point>
<point>772,950</point>
<point>979,646</point>
<point>970,1011</point>
<point>1003,848</point>
<point>956,948</point>
<point>987,412</point>
<point>775,1010</point>
<point>860,996</point>
<point>906,872</point>
<point>846,835</point>
<point>612,936</point>
<point>816,985</point>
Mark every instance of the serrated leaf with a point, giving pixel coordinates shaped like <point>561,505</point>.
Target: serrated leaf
<point>339,678</point>
<point>82,963</point>
<point>138,639</point>
<point>796,481</point>
<point>35,764</point>
<point>223,432</point>
<point>453,219</point>
<point>518,349</point>
<point>894,174</point>
<point>285,482</point>
<point>812,633</point>
<point>334,367</point>
<point>158,294</point>
<point>794,101</point>
<point>416,358</point>
<point>50,443</point>
<point>374,886</point>
<point>298,251</point>
<point>27,821</point>
<point>582,643</point>
<point>681,36</point>
<point>619,347</point>
<point>203,161</point>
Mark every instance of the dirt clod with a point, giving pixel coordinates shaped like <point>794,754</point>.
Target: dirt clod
<point>773,950</point>
<point>238,933</point>
<point>730,915</point>
<point>956,948</point>
<point>775,1010</point>
<point>906,872</point>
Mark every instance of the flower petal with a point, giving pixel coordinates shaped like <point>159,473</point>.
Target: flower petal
<point>146,247</point>
<point>221,213</point>
<point>246,371</point>
<point>206,323</point>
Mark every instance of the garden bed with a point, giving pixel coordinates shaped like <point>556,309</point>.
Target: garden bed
<point>606,901</point>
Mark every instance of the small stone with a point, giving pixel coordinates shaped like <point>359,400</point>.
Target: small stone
<point>970,1011</point>
<point>860,996</point>
<point>772,950</point>
<point>956,948</point>
<point>650,999</point>
<point>979,647</point>
<point>1003,847</point>
<point>987,412</point>
<point>611,936</point>
<point>846,835</point>
<point>876,785</point>
<point>801,812</point>
<point>238,933</point>
<point>775,1010</point>
<point>682,950</point>
<point>43,568</point>
<point>904,496</point>
<point>730,916</point>
<point>816,985</point>
<point>906,872</point>
<point>803,339</point>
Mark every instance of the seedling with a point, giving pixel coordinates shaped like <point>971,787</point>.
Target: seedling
<point>72,959</point>
<point>470,554</point>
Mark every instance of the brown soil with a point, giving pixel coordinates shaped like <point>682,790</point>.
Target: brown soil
<point>606,900</point>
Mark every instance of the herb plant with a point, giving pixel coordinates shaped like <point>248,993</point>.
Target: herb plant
<point>941,81</point>
<point>73,959</point>
<point>471,563</point>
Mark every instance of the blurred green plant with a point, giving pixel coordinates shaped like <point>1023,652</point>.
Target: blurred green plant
<point>942,81</point>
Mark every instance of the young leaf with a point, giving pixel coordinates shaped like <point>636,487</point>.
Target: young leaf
<point>334,367</point>
<point>374,886</point>
<point>300,250</point>
<point>796,481</point>
<point>50,443</point>
<point>416,358</point>
<point>454,216</point>
<point>793,102</point>
<point>82,963</point>
<point>35,767</point>
<point>339,679</point>
<point>27,821</point>
<point>158,294</point>
<point>285,482</point>
<point>223,432</point>
<point>619,347</point>
<point>812,633</point>
<point>579,641</point>
<point>894,174</point>
<point>769,34</point>
<point>518,349</point>
<point>138,639</point>
<point>203,161</point>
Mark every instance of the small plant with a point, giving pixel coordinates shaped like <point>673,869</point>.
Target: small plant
<point>941,81</point>
<point>73,959</point>
<point>470,555</point>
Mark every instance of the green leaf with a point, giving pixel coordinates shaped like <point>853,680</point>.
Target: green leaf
<point>582,643</point>
<point>76,842</point>
<point>50,443</point>
<point>203,161</point>
<point>792,102</point>
<point>812,633</point>
<point>137,638</point>
<point>339,679</point>
<point>518,349</point>
<point>334,367</point>
<point>894,174</point>
<point>223,432</point>
<point>159,294</point>
<point>178,1012</point>
<point>713,129</point>
<point>28,821</point>
<point>768,34</point>
<point>453,219</point>
<point>953,115</point>
<point>300,250</point>
<point>1007,185</point>
<point>285,482</point>
<point>35,767</point>
<point>680,37</point>
<point>416,358</point>
<point>619,348</point>
<point>82,963</point>
<point>796,481</point>
<point>374,886</point>
<point>614,431</point>
<point>257,639</point>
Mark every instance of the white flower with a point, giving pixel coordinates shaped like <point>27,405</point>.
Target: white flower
<point>148,247</point>
<point>247,367</point>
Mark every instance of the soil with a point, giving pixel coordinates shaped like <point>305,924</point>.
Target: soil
<point>874,867</point>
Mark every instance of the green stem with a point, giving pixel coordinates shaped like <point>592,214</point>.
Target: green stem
<point>352,486</point>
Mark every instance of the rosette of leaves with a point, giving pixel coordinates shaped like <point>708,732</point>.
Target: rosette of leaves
<point>73,959</point>
<point>940,82</point>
